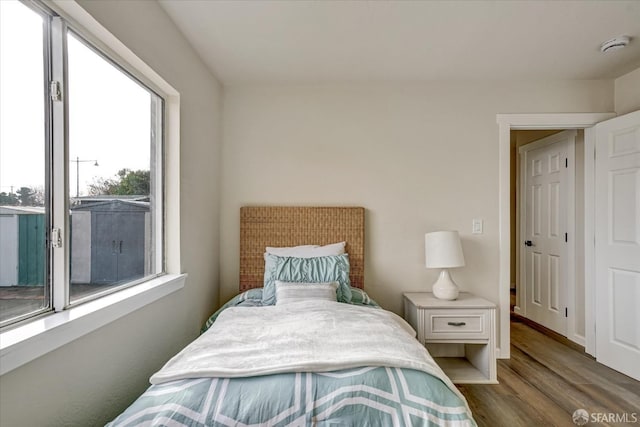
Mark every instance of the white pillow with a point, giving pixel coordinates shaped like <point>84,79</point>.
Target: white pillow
<point>288,292</point>
<point>290,251</point>
<point>308,251</point>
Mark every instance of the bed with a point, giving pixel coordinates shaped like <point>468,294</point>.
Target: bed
<point>302,344</point>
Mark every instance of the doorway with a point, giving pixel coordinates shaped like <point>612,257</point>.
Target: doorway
<point>507,123</point>
<point>546,238</point>
<point>611,220</point>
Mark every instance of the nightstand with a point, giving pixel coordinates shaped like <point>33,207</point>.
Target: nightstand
<point>459,334</point>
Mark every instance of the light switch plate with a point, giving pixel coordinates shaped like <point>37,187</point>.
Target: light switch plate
<point>477,226</point>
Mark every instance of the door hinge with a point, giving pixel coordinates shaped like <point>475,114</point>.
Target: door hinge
<point>55,91</point>
<point>566,312</point>
<point>56,238</point>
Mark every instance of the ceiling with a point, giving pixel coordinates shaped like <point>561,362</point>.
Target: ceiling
<point>317,42</point>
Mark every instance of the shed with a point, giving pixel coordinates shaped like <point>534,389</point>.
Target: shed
<point>22,246</point>
<point>110,241</point>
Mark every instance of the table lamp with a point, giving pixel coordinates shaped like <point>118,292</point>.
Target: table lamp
<point>443,250</point>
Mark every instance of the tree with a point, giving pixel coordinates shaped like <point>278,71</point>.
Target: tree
<point>27,196</point>
<point>38,196</point>
<point>125,183</point>
<point>9,199</point>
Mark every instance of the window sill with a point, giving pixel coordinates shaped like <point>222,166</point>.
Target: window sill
<point>25,343</point>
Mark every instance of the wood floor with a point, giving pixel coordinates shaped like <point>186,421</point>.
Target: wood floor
<point>545,381</point>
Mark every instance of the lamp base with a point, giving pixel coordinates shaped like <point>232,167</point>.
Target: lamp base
<point>445,288</point>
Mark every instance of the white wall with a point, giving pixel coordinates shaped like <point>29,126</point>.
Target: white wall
<point>627,92</point>
<point>91,380</point>
<point>418,157</point>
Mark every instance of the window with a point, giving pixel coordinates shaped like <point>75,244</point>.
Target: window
<point>23,162</point>
<point>112,149</point>
<point>81,168</point>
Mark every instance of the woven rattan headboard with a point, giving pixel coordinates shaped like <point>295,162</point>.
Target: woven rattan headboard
<point>292,226</point>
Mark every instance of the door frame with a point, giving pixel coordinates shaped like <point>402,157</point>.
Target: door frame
<point>590,236</point>
<point>507,122</point>
<point>569,250</point>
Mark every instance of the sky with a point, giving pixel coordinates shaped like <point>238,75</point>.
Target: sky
<point>109,113</point>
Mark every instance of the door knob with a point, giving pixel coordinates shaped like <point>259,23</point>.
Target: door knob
<point>528,243</point>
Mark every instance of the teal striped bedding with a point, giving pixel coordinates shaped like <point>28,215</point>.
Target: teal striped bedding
<point>365,396</point>
<point>362,396</point>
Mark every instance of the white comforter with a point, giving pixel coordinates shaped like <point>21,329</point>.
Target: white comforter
<point>307,336</point>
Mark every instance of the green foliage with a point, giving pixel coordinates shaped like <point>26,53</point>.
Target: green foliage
<point>9,199</point>
<point>25,196</point>
<point>125,183</point>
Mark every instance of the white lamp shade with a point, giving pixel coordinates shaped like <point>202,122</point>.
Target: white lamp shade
<point>443,250</point>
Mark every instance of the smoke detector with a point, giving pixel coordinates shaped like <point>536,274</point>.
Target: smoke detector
<point>614,44</point>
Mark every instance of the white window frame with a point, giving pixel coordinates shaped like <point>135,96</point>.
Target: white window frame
<point>36,337</point>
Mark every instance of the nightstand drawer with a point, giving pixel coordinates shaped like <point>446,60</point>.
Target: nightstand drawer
<point>452,324</point>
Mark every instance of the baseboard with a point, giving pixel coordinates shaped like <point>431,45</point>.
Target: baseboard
<point>515,317</point>
<point>578,339</point>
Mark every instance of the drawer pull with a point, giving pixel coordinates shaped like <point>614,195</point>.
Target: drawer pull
<point>456,323</point>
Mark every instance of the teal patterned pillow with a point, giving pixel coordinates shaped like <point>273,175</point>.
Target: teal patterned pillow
<point>360,297</point>
<point>333,268</point>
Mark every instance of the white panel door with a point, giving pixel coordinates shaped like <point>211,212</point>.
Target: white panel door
<point>544,215</point>
<point>617,245</point>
